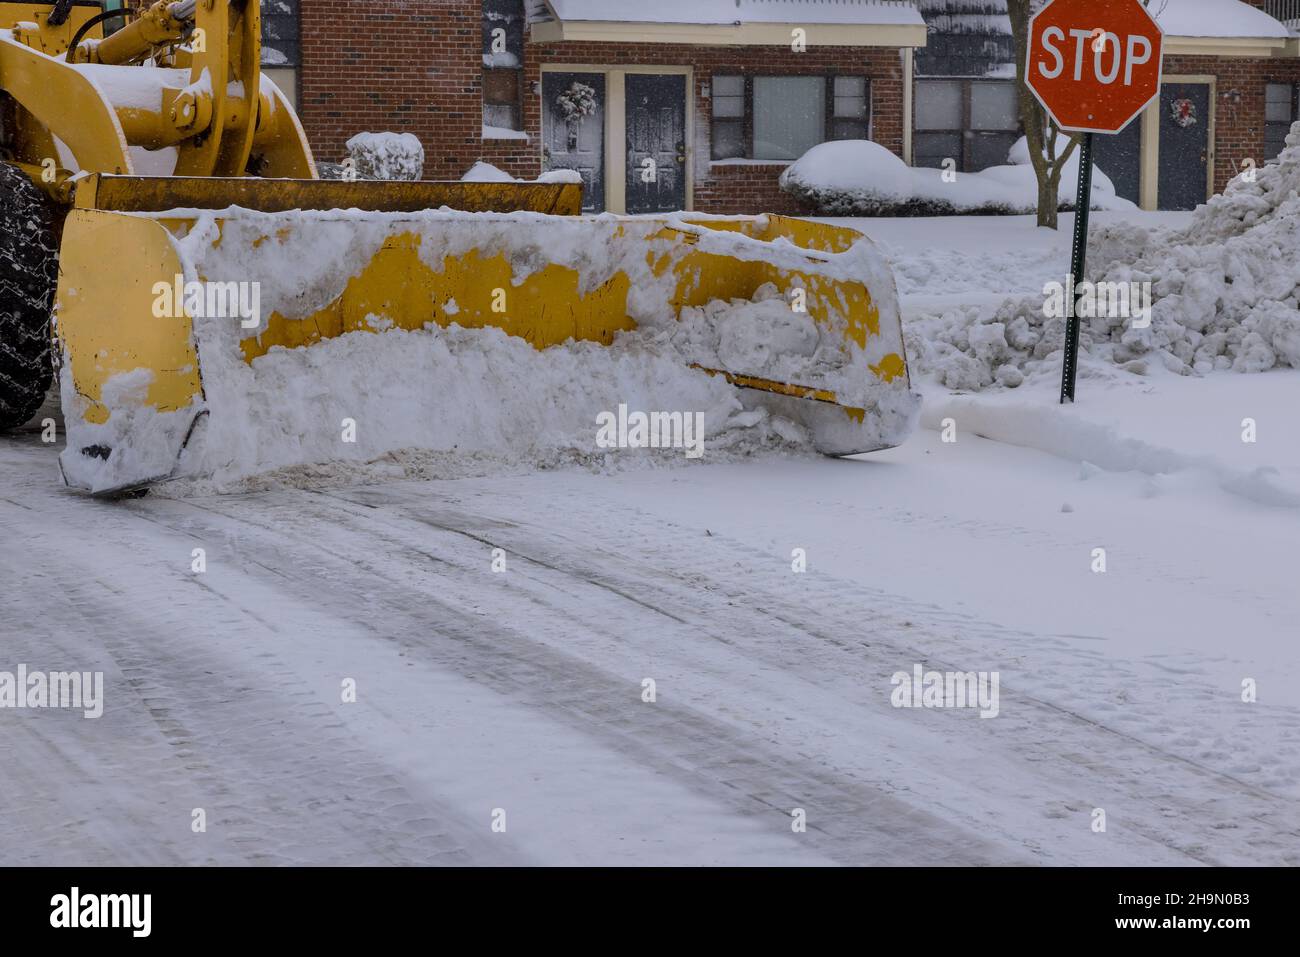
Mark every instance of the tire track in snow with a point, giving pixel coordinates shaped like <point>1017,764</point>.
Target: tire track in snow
<point>1211,799</point>
<point>188,723</point>
<point>851,821</point>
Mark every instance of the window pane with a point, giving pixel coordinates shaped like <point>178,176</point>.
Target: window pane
<point>938,105</point>
<point>1275,139</point>
<point>729,105</point>
<point>789,115</point>
<point>931,149</point>
<point>728,86</point>
<point>501,98</point>
<point>988,149</point>
<point>993,106</point>
<point>501,115</point>
<point>848,108</point>
<point>1278,101</point>
<point>849,130</point>
<point>851,97</point>
<point>280,33</point>
<point>729,140</point>
<point>851,86</point>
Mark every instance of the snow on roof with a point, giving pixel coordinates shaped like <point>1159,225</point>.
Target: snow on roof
<point>1215,18</point>
<point>1179,18</point>
<point>741,11</point>
<point>537,11</point>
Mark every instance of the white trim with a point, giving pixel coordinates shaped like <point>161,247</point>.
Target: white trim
<point>1261,47</point>
<point>742,34</point>
<point>1149,159</point>
<point>741,161</point>
<point>615,151</point>
<point>908,65</point>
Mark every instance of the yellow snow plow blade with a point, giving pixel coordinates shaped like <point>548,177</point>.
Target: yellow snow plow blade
<point>193,331</point>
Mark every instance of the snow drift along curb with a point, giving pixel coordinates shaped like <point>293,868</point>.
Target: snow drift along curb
<point>1063,432</point>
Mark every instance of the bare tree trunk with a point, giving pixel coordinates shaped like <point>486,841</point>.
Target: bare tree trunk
<point>1040,131</point>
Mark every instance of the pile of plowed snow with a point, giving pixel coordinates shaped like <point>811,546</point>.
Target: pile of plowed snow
<point>415,399</point>
<point>1224,293</point>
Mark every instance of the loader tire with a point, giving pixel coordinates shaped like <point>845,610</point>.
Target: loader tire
<point>29,272</point>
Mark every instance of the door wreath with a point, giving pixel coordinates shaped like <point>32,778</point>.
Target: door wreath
<point>1183,112</point>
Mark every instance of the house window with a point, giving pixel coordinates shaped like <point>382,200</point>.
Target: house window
<point>849,116</point>
<point>780,118</point>
<point>973,122</point>
<point>1280,111</point>
<point>281,46</point>
<point>503,62</point>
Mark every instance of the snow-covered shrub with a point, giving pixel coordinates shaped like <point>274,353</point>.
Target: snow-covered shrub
<point>392,156</point>
<point>862,178</point>
<point>849,178</point>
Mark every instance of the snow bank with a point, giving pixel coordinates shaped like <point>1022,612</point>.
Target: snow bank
<point>862,178</point>
<point>1098,438</point>
<point>1226,289</point>
<point>392,156</point>
<point>1225,295</point>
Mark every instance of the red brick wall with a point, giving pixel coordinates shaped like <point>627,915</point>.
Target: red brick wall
<point>406,66</point>
<point>415,66</point>
<point>727,188</point>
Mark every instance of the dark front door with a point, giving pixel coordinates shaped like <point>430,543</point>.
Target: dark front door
<point>573,130</point>
<point>656,143</point>
<point>1184,144</point>
<point>1120,158</point>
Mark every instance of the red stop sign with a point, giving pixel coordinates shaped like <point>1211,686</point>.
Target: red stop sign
<point>1094,64</point>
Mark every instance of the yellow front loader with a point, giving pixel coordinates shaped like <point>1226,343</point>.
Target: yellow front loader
<point>159,200</point>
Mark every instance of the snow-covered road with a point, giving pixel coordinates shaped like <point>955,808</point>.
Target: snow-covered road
<point>521,691</point>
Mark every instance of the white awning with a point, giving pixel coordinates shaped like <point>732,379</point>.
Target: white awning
<point>892,23</point>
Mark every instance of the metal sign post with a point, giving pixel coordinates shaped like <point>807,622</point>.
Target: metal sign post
<point>1078,261</point>
<point>1094,65</point>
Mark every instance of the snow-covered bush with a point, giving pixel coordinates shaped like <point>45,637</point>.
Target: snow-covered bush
<point>849,178</point>
<point>862,178</point>
<point>392,156</point>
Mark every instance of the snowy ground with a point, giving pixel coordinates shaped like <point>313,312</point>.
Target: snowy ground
<point>522,690</point>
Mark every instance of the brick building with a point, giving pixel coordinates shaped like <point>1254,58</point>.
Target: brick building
<point>1227,100</point>
<point>717,102</point>
<point>716,97</point>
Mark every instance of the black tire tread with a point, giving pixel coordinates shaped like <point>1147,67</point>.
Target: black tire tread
<point>29,272</point>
